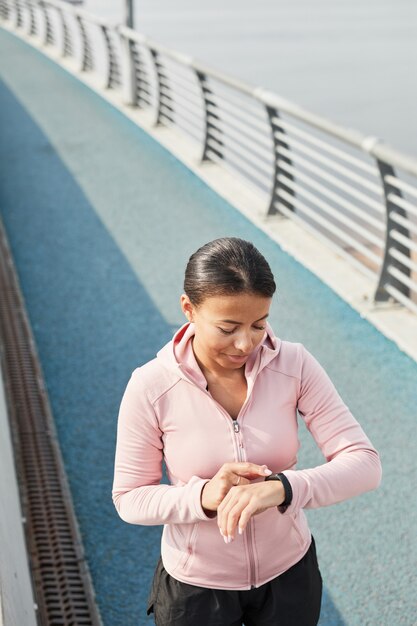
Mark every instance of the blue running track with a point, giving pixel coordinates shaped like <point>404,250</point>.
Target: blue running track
<point>101,221</point>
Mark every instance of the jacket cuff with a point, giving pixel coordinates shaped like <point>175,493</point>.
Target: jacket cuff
<point>199,511</point>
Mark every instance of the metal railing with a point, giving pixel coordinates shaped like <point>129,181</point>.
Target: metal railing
<point>352,191</point>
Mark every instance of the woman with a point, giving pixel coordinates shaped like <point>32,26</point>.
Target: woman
<point>219,404</point>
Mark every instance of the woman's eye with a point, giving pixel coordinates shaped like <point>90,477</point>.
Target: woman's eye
<point>226,332</point>
<point>229,332</point>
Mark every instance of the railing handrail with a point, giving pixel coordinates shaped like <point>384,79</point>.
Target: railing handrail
<point>374,146</point>
<point>298,161</point>
<point>74,10</point>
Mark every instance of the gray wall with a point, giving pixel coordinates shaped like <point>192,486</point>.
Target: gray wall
<point>16,596</point>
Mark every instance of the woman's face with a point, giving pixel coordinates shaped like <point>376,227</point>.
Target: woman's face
<point>227,328</point>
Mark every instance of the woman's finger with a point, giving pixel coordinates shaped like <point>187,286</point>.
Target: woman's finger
<point>229,510</point>
<point>245,468</point>
<point>222,510</point>
<point>245,501</point>
<point>233,516</point>
<point>229,520</point>
<point>230,494</point>
<point>245,516</point>
<point>237,479</point>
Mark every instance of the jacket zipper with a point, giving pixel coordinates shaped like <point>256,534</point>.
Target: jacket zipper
<point>236,428</point>
<point>241,455</point>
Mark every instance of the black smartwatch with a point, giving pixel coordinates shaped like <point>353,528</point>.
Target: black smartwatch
<point>287,489</point>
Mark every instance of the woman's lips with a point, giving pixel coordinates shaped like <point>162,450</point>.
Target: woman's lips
<point>237,359</point>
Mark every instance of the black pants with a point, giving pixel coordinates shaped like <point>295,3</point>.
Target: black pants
<point>291,599</point>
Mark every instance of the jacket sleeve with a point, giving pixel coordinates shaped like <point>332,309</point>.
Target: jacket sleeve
<point>137,494</point>
<point>353,465</point>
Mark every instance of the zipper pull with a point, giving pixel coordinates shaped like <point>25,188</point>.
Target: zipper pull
<point>236,426</point>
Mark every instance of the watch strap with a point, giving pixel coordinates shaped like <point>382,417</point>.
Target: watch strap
<point>287,490</point>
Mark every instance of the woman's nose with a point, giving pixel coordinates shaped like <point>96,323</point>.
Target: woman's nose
<point>243,343</point>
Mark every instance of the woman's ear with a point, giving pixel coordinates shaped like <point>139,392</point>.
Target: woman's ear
<point>187,307</point>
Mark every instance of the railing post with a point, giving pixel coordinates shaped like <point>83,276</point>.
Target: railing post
<point>19,16</point>
<point>87,56</point>
<point>160,76</point>
<point>66,38</point>
<point>381,295</point>
<point>206,92</point>
<point>278,145</point>
<point>32,22</point>
<point>4,10</point>
<point>48,36</point>
<point>112,63</point>
<point>128,71</point>
<point>129,14</point>
<point>140,83</point>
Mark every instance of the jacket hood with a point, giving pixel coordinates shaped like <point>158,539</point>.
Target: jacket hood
<point>178,355</point>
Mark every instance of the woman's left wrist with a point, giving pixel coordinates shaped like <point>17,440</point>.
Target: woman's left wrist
<point>278,491</point>
<point>285,490</point>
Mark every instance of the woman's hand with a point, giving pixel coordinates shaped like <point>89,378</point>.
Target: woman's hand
<point>244,501</point>
<point>227,477</point>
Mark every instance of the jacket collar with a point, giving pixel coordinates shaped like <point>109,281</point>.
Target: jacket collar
<point>178,355</point>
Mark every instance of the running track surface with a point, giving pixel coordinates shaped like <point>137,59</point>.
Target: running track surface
<point>101,221</point>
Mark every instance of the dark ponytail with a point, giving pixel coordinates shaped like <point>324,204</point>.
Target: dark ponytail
<point>227,266</point>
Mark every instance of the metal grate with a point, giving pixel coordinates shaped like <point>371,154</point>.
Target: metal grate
<point>62,585</point>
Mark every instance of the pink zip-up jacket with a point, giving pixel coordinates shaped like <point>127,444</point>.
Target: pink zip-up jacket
<point>167,413</point>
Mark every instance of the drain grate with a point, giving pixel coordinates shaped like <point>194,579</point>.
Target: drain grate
<point>62,584</point>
